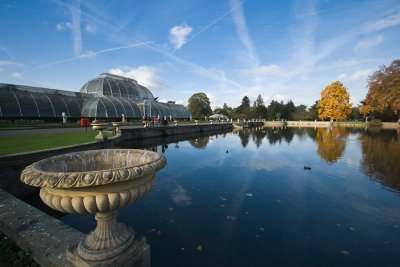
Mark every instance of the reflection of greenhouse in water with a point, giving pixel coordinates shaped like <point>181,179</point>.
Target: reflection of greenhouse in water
<point>107,96</point>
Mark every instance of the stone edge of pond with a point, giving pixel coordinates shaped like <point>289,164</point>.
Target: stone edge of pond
<point>43,236</point>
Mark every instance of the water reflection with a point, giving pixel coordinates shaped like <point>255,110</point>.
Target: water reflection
<point>380,148</point>
<point>200,142</point>
<point>213,208</point>
<point>381,157</point>
<point>331,143</point>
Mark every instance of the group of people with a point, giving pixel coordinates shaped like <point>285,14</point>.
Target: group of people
<point>152,121</point>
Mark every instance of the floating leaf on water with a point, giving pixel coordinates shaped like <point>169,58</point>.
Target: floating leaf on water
<point>182,249</point>
<point>222,205</point>
<point>352,228</point>
<point>249,194</point>
<point>199,248</point>
<point>262,229</point>
<point>232,218</point>
<point>345,252</point>
<point>171,209</point>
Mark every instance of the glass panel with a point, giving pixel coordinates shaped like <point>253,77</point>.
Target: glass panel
<point>8,104</point>
<point>106,87</point>
<point>44,105</point>
<point>27,104</point>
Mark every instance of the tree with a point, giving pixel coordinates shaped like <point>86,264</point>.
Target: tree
<point>288,110</point>
<point>259,101</point>
<point>384,90</point>
<point>244,107</point>
<point>261,110</point>
<point>313,111</point>
<point>334,103</point>
<point>300,113</point>
<point>199,105</point>
<point>274,110</point>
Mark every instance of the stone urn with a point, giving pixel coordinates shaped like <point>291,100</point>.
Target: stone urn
<point>98,182</point>
<point>117,124</point>
<point>100,127</point>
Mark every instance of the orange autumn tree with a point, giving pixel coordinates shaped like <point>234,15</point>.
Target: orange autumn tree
<point>334,103</point>
<point>384,91</point>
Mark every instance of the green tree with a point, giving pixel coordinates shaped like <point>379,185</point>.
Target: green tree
<point>384,90</point>
<point>274,110</point>
<point>300,113</point>
<point>244,108</point>
<point>199,105</point>
<point>288,109</point>
<point>313,111</point>
<point>259,101</point>
<point>221,111</point>
<point>334,103</point>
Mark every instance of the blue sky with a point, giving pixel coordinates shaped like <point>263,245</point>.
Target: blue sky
<point>280,49</point>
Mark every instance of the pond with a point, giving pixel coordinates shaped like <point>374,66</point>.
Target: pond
<point>273,197</point>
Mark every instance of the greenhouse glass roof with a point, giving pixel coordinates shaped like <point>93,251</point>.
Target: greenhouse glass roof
<point>107,96</point>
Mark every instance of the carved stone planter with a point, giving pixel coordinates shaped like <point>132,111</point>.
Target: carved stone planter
<point>100,127</point>
<point>117,124</point>
<point>98,182</point>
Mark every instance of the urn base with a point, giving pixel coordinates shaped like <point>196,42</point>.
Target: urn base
<point>136,255</point>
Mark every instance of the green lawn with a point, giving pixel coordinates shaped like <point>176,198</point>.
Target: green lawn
<point>10,144</point>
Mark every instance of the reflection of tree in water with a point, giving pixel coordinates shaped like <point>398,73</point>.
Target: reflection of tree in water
<point>276,135</point>
<point>258,136</point>
<point>381,157</point>
<point>331,143</point>
<point>244,135</point>
<point>200,142</point>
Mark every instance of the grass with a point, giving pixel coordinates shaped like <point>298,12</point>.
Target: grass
<point>10,144</point>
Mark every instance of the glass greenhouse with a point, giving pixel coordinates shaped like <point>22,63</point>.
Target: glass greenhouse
<point>107,96</point>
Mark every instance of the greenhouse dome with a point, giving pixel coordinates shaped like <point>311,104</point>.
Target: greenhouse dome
<point>107,96</point>
<point>116,86</point>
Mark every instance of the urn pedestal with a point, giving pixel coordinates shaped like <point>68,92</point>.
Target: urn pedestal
<point>99,182</point>
<point>100,127</point>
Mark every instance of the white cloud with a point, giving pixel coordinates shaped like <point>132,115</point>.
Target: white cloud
<point>144,75</point>
<point>88,53</point>
<point>90,29</point>
<point>361,74</point>
<point>17,75</point>
<point>243,32</point>
<point>279,97</point>
<point>342,76</point>
<point>265,70</point>
<point>367,44</point>
<point>63,26</point>
<point>181,197</point>
<point>389,21</point>
<point>10,63</point>
<point>178,35</point>
<point>60,26</point>
<point>210,96</point>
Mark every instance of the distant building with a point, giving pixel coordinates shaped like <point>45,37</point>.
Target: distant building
<point>107,96</point>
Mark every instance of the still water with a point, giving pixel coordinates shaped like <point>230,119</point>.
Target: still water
<point>245,198</point>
